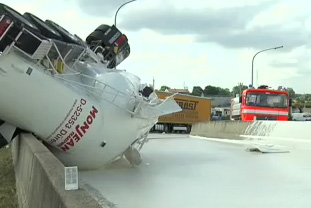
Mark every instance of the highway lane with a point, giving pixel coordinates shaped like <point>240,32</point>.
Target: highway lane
<point>181,171</point>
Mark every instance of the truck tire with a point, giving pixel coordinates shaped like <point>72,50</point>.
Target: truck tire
<point>46,30</point>
<point>97,34</point>
<point>103,28</point>
<point>166,130</point>
<point>188,129</point>
<point>152,129</point>
<point>94,36</point>
<point>19,23</point>
<point>67,36</point>
<point>18,19</point>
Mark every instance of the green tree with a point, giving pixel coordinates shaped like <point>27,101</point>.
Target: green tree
<point>224,91</point>
<point>164,87</point>
<point>211,90</point>
<point>197,91</point>
<point>302,97</point>
<point>307,105</point>
<point>291,92</point>
<point>307,97</point>
<point>238,89</point>
<point>297,95</point>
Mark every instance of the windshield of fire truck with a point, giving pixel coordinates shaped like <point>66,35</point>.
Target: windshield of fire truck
<point>267,99</point>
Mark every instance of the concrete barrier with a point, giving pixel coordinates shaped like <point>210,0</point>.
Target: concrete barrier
<point>287,135</point>
<point>220,129</point>
<point>40,178</point>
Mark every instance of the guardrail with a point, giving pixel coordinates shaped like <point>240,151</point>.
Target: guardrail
<point>40,180</point>
<point>220,129</point>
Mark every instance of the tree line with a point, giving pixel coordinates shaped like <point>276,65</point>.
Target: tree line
<point>210,90</point>
<point>300,100</point>
<point>304,99</point>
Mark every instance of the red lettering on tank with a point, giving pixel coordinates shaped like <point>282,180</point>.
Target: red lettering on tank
<point>76,137</point>
<point>65,148</point>
<point>71,142</point>
<point>81,130</point>
<point>89,120</point>
<point>94,112</point>
<point>84,127</point>
<point>78,130</point>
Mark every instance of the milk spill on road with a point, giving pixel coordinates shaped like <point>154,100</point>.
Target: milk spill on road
<point>293,134</point>
<point>182,171</point>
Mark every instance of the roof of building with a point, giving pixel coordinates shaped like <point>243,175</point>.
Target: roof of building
<point>178,91</point>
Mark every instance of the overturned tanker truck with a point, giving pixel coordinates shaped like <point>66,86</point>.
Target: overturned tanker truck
<point>68,92</point>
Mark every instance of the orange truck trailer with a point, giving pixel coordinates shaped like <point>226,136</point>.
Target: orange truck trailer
<point>194,109</point>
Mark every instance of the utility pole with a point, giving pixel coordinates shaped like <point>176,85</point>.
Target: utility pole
<point>257,78</point>
<point>153,83</point>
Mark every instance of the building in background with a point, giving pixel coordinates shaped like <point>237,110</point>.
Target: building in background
<point>181,91</point>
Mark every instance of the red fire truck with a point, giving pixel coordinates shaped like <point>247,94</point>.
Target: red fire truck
<point>261,104</point>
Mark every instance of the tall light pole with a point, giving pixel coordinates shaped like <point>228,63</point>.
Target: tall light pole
<point>115,16</point>
<point>256,55</point>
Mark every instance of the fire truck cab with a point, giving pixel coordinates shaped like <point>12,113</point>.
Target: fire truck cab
<point>261,104</point>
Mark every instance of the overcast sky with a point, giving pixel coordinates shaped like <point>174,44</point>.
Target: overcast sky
<point>198,42</point>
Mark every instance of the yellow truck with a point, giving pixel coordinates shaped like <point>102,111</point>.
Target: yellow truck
<point>194,109</point>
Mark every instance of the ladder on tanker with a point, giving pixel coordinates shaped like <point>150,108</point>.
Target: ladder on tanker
<point>57,56</point>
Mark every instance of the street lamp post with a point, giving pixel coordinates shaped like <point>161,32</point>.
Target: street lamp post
<point>256,55</point>
<point>115,16</point>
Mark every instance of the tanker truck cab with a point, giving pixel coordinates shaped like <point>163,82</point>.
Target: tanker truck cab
<point>262,104</point>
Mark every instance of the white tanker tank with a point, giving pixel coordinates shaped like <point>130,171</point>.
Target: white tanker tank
<point>68,92</point>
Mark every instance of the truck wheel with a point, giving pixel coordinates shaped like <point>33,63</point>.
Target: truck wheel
<point>97,34</point>
<point>45,29</point>
<point>94,36</point>
<point>166,128</point>
<point>67,36</point>
<point>103,28</point>
<point>188,129</point>
<point>18,19</point>
<point>152,129</point>
<point>19,23</point>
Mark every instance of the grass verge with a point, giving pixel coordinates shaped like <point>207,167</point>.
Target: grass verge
<point>8,197</point>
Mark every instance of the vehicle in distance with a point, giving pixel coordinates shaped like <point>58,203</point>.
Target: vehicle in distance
<point>194,110</point>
